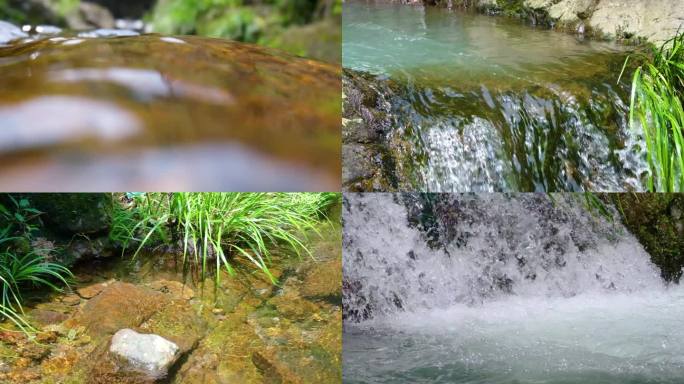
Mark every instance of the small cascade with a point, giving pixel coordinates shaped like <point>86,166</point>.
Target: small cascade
<point>412,253</point>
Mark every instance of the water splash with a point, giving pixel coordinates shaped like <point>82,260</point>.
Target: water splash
<point>502,289</point>
<point>490,246</point>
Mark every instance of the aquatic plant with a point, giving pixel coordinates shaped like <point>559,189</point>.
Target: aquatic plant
<point>220,227</point>
<point>656,105</point>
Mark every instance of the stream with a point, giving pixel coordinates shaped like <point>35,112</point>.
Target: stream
<point>506,289</point>
<point>244,329</point>
<point>469,102</point>
<point>115,110</point>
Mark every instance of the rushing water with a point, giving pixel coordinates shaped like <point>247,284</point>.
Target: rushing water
<point>504,289</point>
<point>483,103</point>
<point>107,109</point>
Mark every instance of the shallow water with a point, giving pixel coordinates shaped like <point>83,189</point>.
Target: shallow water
<point>517,289</point>
<point>245,329</point>
<point>156,112</point>
<point>482,103</point>
<point>599,338</point>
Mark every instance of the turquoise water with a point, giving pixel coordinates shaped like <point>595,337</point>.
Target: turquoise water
<point>382,37</point>
<point>488,104</point>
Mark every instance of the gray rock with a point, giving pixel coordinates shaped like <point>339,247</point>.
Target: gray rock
<point>150,353</point>
<point>10,32</point>
<point>653,20</point>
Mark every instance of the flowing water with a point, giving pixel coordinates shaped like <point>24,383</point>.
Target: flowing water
<point>482,103</point>
<point>110,110</point>
<point>502,289</point>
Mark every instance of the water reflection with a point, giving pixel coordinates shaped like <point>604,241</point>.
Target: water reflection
<point>62,121</point>
<point>202,167</point>
<point>146,84</point>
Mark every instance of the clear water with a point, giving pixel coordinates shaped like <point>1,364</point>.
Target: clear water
<point>526,291</point>
<point>385,37</point>
<point>487,104</point>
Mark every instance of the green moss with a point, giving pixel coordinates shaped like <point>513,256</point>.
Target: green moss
<point>657,220</point>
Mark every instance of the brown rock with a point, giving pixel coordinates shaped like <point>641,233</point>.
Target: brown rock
<point>93,290</point>
<point>174,288</point>
<point>47,317</point>
<point>120,305</point>
<point>324,280</point>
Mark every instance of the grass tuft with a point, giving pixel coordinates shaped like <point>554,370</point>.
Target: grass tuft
<point>656,105</point>
<point>214,229</point>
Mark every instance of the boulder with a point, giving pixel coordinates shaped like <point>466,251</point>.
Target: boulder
<point>149,353</point>
<point>75,213</point>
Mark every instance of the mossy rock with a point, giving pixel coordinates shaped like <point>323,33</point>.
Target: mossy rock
<point>72,213</point>
<point>657,220</point>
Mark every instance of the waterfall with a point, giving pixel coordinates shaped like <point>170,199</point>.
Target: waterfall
<point>411,253</point>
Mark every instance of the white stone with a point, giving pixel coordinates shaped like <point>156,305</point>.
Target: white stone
<point>148,352</point>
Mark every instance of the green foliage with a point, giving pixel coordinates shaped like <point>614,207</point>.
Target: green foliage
<point>18,272</point>
<point>215,18</point>
<point>20,266</point>
<point>221,227</point>
<point>10,13</point>
<point>64,7</point>
<point>656,105</point>
<point>237,19</point>
<point>595,205</point>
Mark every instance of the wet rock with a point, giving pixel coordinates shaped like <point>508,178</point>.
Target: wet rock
<point>324,281</point>
<point>47,317</point>
<point>296,366</point>
<point>147,352</point>
<point>72,213</point>
<point>71,299</point>
<point>174,288</point>
<point>367,164</point>
<point>120,305</point>
<point>82,248</point>
<point>179,322</point>
<point>93,290</point>
<point>10,32</point>
<point>290,305</point>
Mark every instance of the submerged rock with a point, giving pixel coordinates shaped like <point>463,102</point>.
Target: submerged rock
<point>147,352</point>
<point>119,305</point>
<point>152,112</point>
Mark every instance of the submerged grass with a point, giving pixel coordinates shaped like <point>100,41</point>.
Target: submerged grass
<point>214,229</point>
<point>656,104</point>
